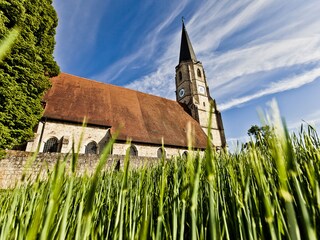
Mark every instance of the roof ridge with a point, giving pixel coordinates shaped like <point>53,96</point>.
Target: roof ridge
<point>113,85</point>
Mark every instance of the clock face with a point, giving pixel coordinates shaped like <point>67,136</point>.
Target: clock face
<point>201,89</point>
<point>181,92</point>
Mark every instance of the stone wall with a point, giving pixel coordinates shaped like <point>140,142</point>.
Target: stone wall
<point>15,165</point>
<point>145,150</point>
<point>66,132</point>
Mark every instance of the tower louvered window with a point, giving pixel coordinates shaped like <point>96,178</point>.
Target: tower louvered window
<point>199,72</point>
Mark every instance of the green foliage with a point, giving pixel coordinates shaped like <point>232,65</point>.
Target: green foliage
<point>261,134</point>
<point>7,42</point>
<point>254,194</point>
<point>26,68</point>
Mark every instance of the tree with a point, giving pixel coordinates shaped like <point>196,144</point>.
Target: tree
<point>261,134</point>
<point>26,69</point>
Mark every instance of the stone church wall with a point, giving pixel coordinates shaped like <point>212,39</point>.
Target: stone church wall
<point>146,150</point>
<point>14,165</point>
<point>66,132</point>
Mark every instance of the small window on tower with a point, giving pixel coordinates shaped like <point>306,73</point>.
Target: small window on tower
<point>180,76</point>
<point>199,72</point>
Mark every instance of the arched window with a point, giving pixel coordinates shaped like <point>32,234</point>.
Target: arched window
<point>185,155</point>
<point>161,153</point>
<point>199,72</point>
<point>180,76</point>
<point>133,151</point>
<point>92,148</point>
<point>51,145</point>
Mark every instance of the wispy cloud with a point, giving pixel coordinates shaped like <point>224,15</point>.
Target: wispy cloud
<point>275,87</point>
<point>261,51</point>
<point>312,119</point>
<point>160,83</point>
<point>163,76</point>
<point>148,51</point>
<point>287,37</point>
<point>81,22</point>
<point>235,40</point>
<point>216,20</point>
<point>264,57</point>
<point>235,144</point>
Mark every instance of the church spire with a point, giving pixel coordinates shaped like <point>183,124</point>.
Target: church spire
<point>186,50</point>
<point>192,92</point>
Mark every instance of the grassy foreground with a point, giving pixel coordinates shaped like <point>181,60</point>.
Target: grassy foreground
<point>263,192</point>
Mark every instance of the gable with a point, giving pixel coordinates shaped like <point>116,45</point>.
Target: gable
<point>140,117</point>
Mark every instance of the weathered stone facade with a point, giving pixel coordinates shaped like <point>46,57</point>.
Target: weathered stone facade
<point>17,163</point>
<point>145,150</point>
<point>14,165</point>
<point>66,133</point>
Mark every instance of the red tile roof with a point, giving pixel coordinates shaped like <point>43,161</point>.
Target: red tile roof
<point>143,117</point>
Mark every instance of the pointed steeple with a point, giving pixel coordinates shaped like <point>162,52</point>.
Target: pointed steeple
<point>186,50</point>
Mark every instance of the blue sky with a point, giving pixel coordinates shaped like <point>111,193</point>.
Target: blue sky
<point>252,51</point>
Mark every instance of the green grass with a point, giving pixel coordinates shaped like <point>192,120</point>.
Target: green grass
<point>262,192</point>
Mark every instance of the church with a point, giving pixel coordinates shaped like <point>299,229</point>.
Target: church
<point>145,120</point>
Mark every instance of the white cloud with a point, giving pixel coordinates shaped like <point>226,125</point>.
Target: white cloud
<point>281,34</point>
<point>160,83</point>
<point>275,87</point>
<point>149,50</point>
<point>115,70</point>
<point>313,119</point>
<point>219,19</point>
<point>164,74</point>
<point>291,40</point>
<point>264,57</point>
<point>79,22</point>
<point>216,20</point>
<point>235,144</point>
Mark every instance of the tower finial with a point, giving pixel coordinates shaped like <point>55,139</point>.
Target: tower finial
<point>182,19</point>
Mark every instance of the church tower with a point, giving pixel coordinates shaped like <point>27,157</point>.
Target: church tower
<point>192,91</point>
